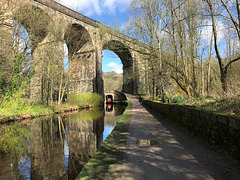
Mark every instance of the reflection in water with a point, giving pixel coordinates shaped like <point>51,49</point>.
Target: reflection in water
<point>54,148</point>
<point>109,107</point>
<point>113,111</point>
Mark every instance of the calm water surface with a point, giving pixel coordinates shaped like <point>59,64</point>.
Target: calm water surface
<point>55,148</point>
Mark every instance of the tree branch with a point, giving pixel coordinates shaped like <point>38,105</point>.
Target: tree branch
<point>234,22</point>
<point>232,61</point>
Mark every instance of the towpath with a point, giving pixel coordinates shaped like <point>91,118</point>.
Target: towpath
<point>157,150</point>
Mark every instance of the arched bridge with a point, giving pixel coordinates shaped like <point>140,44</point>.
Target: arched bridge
<point>50,25</point>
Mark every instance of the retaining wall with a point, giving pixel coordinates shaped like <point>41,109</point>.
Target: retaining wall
<point>119,96</point>
<point>217,129</point>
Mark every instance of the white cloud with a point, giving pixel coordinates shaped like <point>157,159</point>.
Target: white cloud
<point>111,5</point>
<point>91,7</point>
<point>115,67</point>
<point>88,7</point>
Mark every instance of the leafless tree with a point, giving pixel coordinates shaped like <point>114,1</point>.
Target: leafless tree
<point>224,65</point>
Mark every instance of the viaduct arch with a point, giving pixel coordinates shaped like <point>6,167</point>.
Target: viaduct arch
<point>50,25</point>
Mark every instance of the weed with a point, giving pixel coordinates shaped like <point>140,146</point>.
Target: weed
<point>178,99</point>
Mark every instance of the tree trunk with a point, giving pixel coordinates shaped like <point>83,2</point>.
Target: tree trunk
<point>202,74</point>
<point>224,82</point>
<point>154,89</point>
<point>48,83</point>
<point>220,63</point>
<point>209,66</point>
<point>60,88</point>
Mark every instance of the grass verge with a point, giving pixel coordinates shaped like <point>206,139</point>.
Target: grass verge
<point>107,160</point>
<point>15,108</point>
<point>223,105</point>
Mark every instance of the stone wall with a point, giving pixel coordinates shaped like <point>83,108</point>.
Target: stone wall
<point>217,129</point>
<point>5,53</point>
<point>119,96</point>
<point>47,22</point>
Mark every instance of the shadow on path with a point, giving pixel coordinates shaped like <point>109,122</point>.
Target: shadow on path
<point>157,150</point>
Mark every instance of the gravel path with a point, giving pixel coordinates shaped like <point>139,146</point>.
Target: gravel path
<point>157,150</point>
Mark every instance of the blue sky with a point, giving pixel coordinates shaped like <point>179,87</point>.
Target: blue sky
<point>109,12</point>
<point>111,62</point>
<point>115,13</point>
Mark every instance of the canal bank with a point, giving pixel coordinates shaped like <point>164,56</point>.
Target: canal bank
<point>154,150</point>
<point>20,109</point>
<point>157,150</point>
<point>47,111</point>
<point>56,147</point>
<point>107,161</point>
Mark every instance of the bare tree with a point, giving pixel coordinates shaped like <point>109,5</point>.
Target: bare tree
<point>223,67</point>
<point>184,36</point>
<point>148,23</point>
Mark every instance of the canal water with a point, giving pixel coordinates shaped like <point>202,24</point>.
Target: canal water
<point>54,148</point>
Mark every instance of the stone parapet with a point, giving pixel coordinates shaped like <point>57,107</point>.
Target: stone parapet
<point>220,130</point>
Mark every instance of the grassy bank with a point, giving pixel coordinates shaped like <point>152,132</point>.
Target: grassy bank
<point>226,105</point>
<point>16,108</point>
<point>107,160</point>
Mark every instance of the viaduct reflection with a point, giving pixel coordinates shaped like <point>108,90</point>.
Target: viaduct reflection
<point>60,147</point>
<point>55,148</point>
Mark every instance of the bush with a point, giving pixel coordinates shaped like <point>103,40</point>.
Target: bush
<point>178,99</point>
<point>164,98</point>
<point>13,104</point>
<point>82,99</point>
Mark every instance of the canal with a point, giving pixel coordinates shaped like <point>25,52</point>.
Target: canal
<point>54,148</point>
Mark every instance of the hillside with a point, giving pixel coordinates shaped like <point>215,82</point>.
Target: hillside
<point>112,80</point>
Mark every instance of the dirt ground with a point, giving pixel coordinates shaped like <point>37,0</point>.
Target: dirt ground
<point>158,150</point>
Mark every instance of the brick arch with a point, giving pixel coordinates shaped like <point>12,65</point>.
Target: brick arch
<point>82,62</point>
<point>121,50</point>
<point>35,20</point>
<point>125,55</point>
<point>76,38</point>
<point>87,75</point>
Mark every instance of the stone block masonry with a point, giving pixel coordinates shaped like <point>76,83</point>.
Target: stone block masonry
<point>50,27</point>
<point>220,130</point>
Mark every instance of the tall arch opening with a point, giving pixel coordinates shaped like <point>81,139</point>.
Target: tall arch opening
<point>126,58</point>
<point>25,29</point>
<point>112,71</point>
<point>21,57</point>
<point>44,51</point>
<point>82,64</point>
<point>35,21</point>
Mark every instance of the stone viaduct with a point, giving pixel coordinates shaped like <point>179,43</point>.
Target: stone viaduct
<point>50,25</point>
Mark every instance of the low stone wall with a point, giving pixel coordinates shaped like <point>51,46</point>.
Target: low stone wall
<point>217,129</point>
<point>119,96</point>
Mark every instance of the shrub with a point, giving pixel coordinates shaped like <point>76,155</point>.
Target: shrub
<point>13,104</point>
<point>178,99</point>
